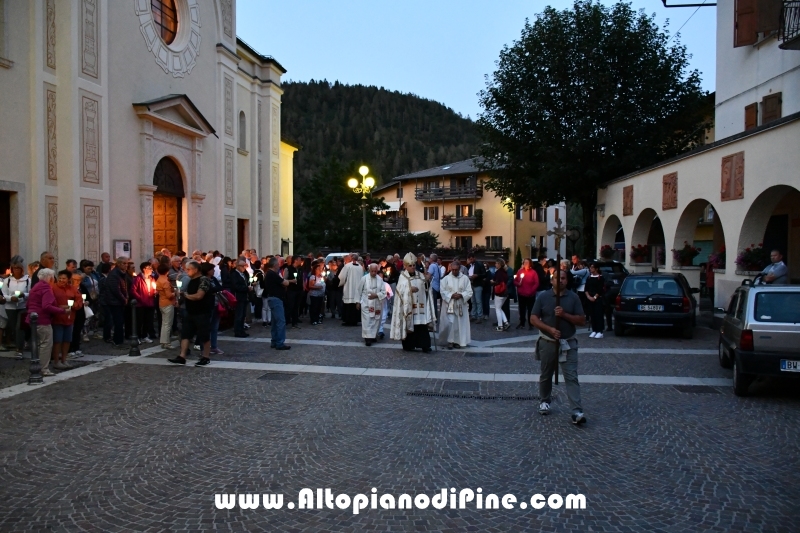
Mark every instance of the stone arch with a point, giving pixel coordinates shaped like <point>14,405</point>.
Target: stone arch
<point>686,229</point>
<point>647,230</point>
<point>168,177</point>
<point>614,232</point>
<point>757,218</point>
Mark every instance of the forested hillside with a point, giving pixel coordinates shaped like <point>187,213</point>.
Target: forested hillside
<point>392,133</point>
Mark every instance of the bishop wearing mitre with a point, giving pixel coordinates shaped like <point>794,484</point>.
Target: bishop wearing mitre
<point>373,297</point>
<point>456,291</point>
<point>413,316</point>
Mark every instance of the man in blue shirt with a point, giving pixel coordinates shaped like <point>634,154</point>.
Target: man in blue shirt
<point>435,278</point>
<point>777,273</point>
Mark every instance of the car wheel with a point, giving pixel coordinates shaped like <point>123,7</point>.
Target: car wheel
<point>724,358</point>
<point>619,329</point>
<point>741,381</point>
<point>687,332</point>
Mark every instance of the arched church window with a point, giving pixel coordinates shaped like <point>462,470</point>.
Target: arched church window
<point>165,18</point>
<point>242,131</point>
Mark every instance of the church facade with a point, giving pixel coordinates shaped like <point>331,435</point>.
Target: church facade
<point>128,126</point>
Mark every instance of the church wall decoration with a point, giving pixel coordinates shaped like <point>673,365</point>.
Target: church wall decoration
<point>90,54</point>
<point>228,175</point>
<point>90,140</point>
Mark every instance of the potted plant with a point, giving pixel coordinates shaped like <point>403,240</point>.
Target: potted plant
<point>606,251</point>
<point>753,258</point>
<point>717,260</point>
<point>639,253</point>
<point>685,256</point>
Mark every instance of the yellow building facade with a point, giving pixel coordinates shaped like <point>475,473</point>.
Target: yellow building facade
<point>452,202</point>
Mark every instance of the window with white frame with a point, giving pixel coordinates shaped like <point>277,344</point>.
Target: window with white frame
<point>494,243</point>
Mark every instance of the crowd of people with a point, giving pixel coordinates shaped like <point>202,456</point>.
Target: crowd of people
<point>187,297</point>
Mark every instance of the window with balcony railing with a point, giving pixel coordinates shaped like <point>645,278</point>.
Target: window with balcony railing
<point>789,31</point>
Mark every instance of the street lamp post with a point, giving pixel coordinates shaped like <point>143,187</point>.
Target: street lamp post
<point>363,187</point>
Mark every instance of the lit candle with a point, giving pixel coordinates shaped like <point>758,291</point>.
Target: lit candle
<point>515,276</point>
<point>178,283</point>
<point>84,297</point>
<point>522,276</point>
<point>70,303</point>
<point>1,284</point>
<point>16,293</point>
<point>295,274</point>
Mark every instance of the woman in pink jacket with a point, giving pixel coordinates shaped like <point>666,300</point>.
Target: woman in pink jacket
<point>527,282</point>
<point>42,301</point>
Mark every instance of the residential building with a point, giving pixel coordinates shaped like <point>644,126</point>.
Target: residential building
<point>136,125</point>
<point>741,190</point>
<point>452,201</point>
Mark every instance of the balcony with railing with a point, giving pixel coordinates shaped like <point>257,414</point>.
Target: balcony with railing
<point>454,223</point>
<point>790,25</point>
<point>395,224</point>
<point>464,192</point>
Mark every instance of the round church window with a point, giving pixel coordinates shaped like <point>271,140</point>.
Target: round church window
<point>165,18</point>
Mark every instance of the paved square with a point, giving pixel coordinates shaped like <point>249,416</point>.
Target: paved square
<point>141,446</point>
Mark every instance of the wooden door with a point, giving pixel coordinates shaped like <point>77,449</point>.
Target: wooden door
<point>166,223</point>
<point>5,227</point>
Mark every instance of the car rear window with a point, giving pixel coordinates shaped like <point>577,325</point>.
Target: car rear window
<point>777,307</point>
<point>611,268</point>
<point>648,286</point>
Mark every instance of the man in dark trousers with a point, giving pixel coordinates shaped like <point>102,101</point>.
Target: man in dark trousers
<point>240,283</point>
<point>275,293</point>
<point>116,298</point>
<point>477,273</point>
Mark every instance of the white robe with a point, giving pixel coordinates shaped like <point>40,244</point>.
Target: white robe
<point>455,313</point>
<point>349,279</point>
<point>411,308</point>
<point>371,310</point>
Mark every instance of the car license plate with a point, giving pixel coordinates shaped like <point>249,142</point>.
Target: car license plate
<point>651,308</point>
<point>790,366</point>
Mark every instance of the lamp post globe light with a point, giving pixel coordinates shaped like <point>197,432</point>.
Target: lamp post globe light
<point>363,187</point>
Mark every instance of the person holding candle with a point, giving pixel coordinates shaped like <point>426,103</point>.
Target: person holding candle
<point>15,293</point>
<point>500,290</point>
<point>372,291</point>
<point>240,286</point>
<point>316,293</point>
<point>67,297</point>
<point>80,317</point>
<point>526,281</point>
<point>349,279</point>
<point>144,292</point>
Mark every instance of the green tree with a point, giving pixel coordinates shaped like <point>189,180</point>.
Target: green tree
<point>518,259</point>
<point>332,211</point>
<point>586,95</point>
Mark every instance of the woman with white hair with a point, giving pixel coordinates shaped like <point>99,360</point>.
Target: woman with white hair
<point>42,301</point>
<point>15,293</point>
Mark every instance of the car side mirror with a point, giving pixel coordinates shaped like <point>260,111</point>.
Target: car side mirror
<point>695,290</point>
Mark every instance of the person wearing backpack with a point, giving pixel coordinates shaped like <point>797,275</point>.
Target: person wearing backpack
<point>499,285</point>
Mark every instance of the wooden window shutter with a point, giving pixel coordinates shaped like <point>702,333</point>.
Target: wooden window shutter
<point>771,108</point>
<point>436,213</point>
<point>732,183</point>
<point>744,29</point>
<point>751,116</point>
<point>425,214</point>
<point>768,15</point>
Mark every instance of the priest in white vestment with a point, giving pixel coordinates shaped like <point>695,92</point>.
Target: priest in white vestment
<point>373,295</point>
<point>413,316</point>
<point>349,279</point>
<point>456,291</point>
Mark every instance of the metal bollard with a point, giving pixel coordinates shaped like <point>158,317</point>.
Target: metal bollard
<point>134,351</point>
<point>36,367</point>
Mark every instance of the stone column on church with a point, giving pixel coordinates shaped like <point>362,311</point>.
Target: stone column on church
<point>146,235</point>
<point>195,216</point>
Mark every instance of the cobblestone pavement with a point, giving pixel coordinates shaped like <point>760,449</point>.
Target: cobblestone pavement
<point>146,448</point>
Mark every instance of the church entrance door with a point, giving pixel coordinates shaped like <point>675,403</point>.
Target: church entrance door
<point>167,207</point>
